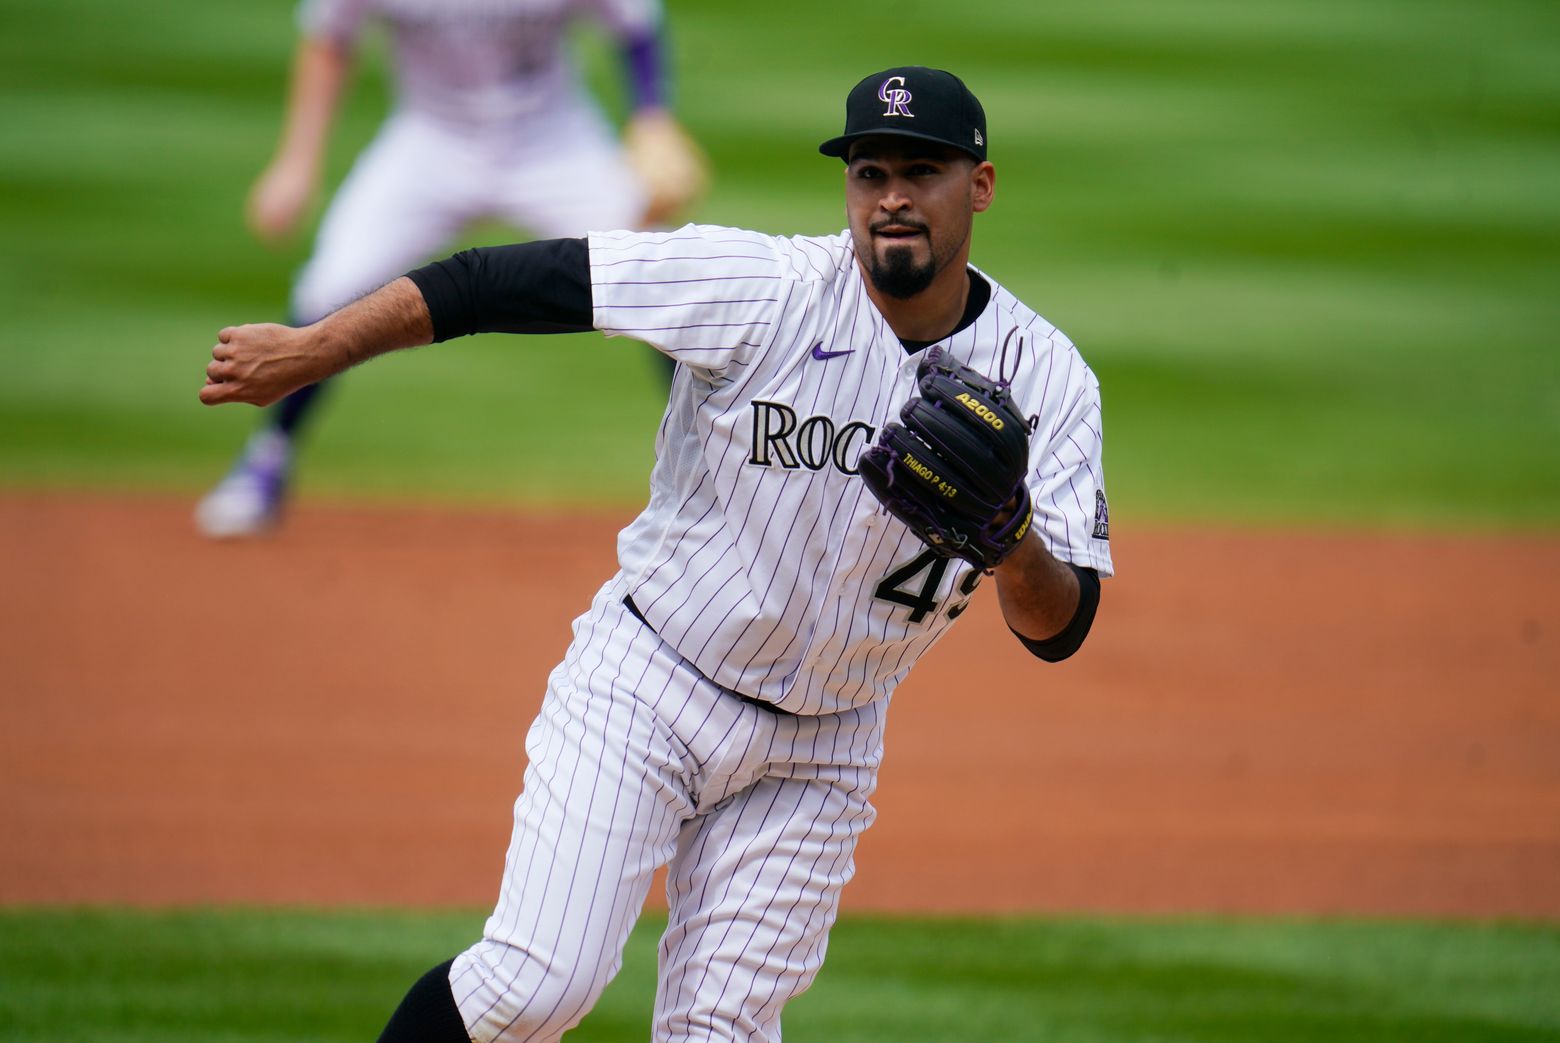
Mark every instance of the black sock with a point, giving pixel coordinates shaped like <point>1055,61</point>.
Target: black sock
<point>428,1013</point>
<point>288,414</point>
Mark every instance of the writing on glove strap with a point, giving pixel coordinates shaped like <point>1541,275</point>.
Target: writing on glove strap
<point>952,469</point>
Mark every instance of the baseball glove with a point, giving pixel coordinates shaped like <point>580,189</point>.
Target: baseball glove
<point>953,471</point>
<point>669,164</point>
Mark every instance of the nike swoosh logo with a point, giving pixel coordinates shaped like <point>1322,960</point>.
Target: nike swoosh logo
<point>823,356</point>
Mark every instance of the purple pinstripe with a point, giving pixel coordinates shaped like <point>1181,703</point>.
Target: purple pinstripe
<point>759,574</point>
<point>556,937</point>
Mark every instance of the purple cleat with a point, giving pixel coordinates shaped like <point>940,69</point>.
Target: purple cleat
<point>248,502</point>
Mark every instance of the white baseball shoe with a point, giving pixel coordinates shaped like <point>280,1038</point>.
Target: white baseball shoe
<point>248,502</point>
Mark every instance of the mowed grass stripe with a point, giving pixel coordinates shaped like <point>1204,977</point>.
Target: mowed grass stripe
<point>119,976</point>
<point>1309,247</point>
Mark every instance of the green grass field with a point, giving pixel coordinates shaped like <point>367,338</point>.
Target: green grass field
<point>288,975</point>
<point>1310,247</point>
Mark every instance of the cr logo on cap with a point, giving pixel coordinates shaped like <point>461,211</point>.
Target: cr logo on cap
<point>896,98</point>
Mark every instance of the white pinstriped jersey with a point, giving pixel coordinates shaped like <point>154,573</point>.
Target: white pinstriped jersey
<point>761,557</point>
<point>478,62</point>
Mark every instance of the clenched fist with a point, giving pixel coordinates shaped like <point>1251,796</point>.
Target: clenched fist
<point>265,362</point>
<point>262,363</point>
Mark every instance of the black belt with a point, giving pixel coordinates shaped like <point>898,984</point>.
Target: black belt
<point>763,704</point>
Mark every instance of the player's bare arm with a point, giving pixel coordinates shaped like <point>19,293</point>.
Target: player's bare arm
<point>537,287</point>
<point>261,363</point>
<point>1038,593</point>
<point>287,187</point>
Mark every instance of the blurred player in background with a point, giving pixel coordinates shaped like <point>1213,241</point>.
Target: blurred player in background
<point>491,120</point>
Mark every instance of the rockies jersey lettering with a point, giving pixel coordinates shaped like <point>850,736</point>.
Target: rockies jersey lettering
<point>761,557</point>
<point>817,442</point>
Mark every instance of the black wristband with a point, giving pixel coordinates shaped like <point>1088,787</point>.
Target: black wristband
<point>1055,649</point>
<point>540,287</point>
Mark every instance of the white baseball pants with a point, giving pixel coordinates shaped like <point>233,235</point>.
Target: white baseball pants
<point>637,761</point>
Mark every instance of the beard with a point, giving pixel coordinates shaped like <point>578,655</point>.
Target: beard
<point>897,274</point>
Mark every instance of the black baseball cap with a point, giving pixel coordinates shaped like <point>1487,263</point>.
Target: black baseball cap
<point>912,101</point>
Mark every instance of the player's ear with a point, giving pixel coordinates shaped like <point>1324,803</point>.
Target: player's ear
<point>983,185</point>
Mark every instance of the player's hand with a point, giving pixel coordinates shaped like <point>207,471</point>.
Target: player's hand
<point>668,162</point>
<point>262,363</point>
<point>279,200</point>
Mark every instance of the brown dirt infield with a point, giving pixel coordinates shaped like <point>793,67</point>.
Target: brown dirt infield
<point>1272,723</point>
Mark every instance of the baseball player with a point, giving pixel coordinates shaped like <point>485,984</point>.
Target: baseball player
<point>491,119</point>
<point>862,428</point>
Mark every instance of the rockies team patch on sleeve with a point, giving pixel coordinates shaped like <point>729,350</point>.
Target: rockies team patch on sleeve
<point>1101,516</point>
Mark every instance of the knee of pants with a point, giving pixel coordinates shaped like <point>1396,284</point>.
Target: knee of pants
<point>507,994</point>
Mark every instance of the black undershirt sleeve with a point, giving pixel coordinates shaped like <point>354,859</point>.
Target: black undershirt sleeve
<point>540,287</point>
<point>1064,644</point>
<point>544,287</point>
